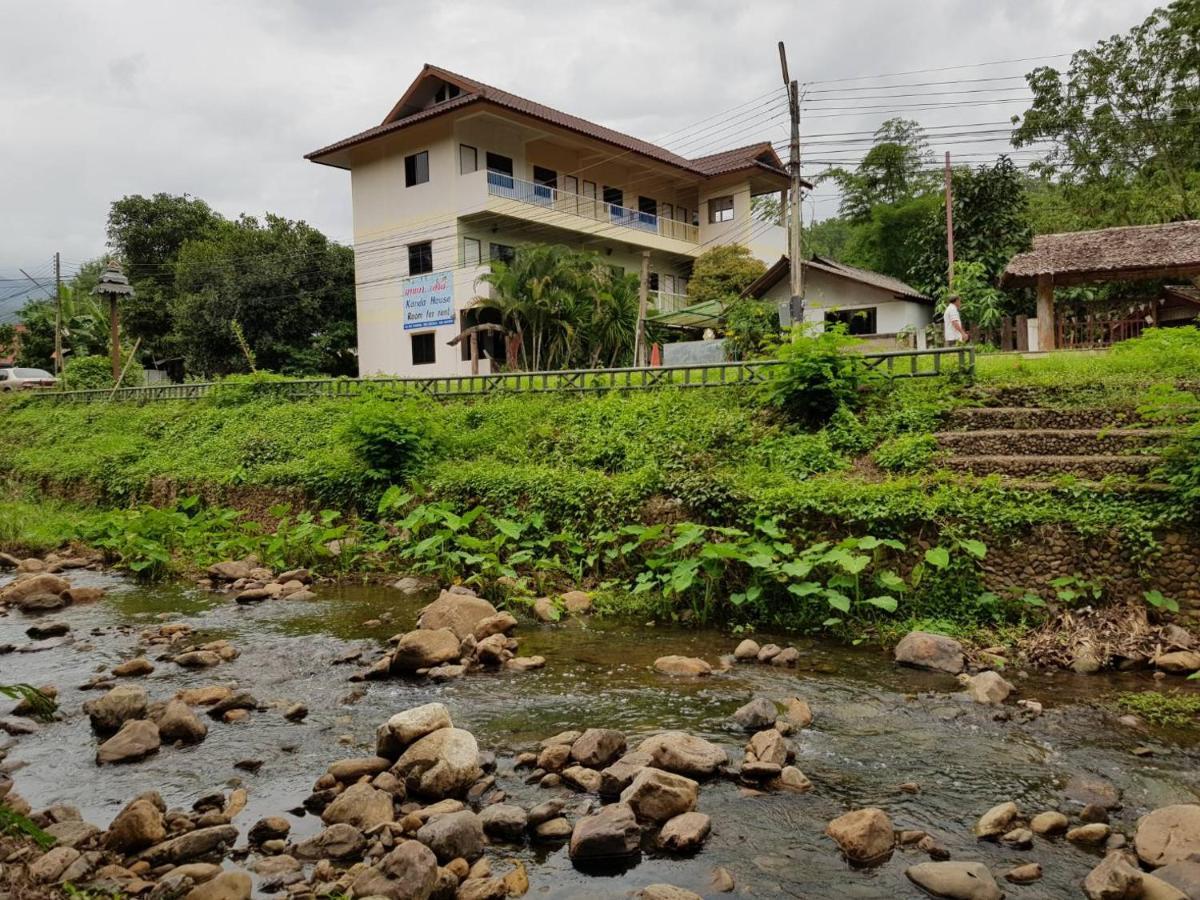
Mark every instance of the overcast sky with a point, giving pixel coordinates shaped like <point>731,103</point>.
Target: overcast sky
<point>222,99</point>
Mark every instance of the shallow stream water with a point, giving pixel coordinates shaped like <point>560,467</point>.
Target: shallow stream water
<point>876,726</point>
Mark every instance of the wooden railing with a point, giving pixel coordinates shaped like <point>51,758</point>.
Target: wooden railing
<point>895,364</point>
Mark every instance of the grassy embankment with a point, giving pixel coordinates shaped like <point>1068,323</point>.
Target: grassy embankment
<point>707,502</point>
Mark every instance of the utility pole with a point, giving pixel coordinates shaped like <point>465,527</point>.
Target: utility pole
<point>639,337</point>
<point>949,226</point>
<point>58,357</point>
<point>795,220</point>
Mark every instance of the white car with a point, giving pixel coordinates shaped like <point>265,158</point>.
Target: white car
<point>16,379</point>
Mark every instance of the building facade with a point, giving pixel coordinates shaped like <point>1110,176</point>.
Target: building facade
<point>460,172</point>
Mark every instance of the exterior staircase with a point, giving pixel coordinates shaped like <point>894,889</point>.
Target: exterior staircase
<point>1032,443</point>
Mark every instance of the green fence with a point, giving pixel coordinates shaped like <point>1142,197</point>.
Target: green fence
<point>896,364</point>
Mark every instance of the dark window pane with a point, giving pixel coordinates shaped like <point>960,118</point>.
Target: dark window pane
<point>857,321</point>
<point>548,177</point>
<point>423,351</point>
<point>416,168</point>
<point>613,195</point>
<point>502,252</point>
<point>420,258</point>
<point>498,163</point>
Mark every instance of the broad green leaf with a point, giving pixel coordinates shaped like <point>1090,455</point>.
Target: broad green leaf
<point>938,557</point>
<point>838,601</point>
<point>805,588</point>
<point>890,580</point>
<point>884,602</point>
<point>977,549</point>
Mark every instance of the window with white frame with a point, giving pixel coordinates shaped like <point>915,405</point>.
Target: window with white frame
<point>720,209</point>
<point>471,251</point>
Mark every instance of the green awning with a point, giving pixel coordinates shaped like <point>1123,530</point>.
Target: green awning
<point>698,315</point>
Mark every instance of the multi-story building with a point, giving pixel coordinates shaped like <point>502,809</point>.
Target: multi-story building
<point>460,172</point>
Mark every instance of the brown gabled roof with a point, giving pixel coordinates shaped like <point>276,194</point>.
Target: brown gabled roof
<point>782,269</point>
<point>402,115</point>
<point>1137,251</point>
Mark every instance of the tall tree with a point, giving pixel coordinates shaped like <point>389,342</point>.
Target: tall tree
<point>722,273</point>
<point>895,169</point>
<point>1124,114</point>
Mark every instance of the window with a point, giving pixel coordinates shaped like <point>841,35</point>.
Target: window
<point>502,252</point>
<point>648,206</point>
<point>468,159</point>
<point>547,177</point>
<point>720,209</point>
<point>669,284</point>
<point>498,163</point>
<point>613,195</point>
<point>857,321</point>
<point>471,252</point>
<point>420,258</point>
<point>653,281</point>
<point>446,92</point>
<point>570,184</point>
<point>423,350</point>
<point>416,168</point>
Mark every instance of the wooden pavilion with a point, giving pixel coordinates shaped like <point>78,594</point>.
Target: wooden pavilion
<point>1133,253</point>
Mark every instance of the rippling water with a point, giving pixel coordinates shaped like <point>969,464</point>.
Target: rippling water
<point>876,726</point>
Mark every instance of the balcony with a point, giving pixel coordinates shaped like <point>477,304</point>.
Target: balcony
<point>665,302</point>
<point>508,187</point>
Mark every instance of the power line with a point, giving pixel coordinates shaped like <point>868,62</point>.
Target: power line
<point>995,62</point>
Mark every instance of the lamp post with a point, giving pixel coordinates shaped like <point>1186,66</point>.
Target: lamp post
<point>113,286</point>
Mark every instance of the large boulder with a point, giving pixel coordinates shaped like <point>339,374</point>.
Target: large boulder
<point>769,746</point>
<point>685,832</point>
<point>756,715</point>
<point>348,771</point>
<point>18,591</point>
<point>620,774</point>
<point>409,725</point>
<point>360,805</point>
<point>443,763</point>
<point>137,739</point>
<point>1183,876</point>
<point>865,836</point>
<point>504,822</point>
<point>656,796</point>
<point>118,706</point>
<point>453,835</point>
<point>684,754</point>
<point>682,666</point>
<point>226,886</point>
<point>610,834</point>
<point>138,826</point>
<point>1168,835</point>
<point>425,648</point>
<point>997,820</point>
<point>1114,879</point>
<point>987,687</point>
<point>1180,662</point>
<point>407,873</point>
<point>930,651</point>
<point>597,747</point>
<point>458,612</point>
<point>339,842</point>
<point>956,880</point>
<point>177,722</point>
<point>203,843</point>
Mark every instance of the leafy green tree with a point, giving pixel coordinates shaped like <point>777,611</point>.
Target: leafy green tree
<point>1123,115</point>
<point>891,242</point>
<point>289,288</point>
<point>828,237</point>
<point>894,170</point>
<point>8,339</point>
<point>37,337</point>
<point>722,273</point>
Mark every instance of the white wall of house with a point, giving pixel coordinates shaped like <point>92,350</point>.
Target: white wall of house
<point>824,292</point>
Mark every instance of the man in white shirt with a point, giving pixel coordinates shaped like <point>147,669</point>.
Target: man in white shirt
<point>952,322</point>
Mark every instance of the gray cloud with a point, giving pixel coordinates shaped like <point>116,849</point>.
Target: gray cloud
<point>221,100</point>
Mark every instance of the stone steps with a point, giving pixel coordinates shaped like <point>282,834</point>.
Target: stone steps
<point>1021,418</point>
<point>1051,441</point>
<point>1093,467</point>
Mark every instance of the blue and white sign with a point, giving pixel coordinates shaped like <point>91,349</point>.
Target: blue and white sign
<point>428,300</point>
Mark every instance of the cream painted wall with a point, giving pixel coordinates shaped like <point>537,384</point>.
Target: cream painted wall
<point>823,291</point>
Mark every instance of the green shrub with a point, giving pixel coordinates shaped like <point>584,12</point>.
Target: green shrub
<point>91,372</point>
<point>1181,466</point>
<point>820,373</point>
<point>906,452</point>
<point>392,437</point>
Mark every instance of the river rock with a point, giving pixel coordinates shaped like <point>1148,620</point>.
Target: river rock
<point>786,657</point>
<point>177,722</point>
<point>139,665</point>
<point>203,843</point>
<point>504,821</point>
<point>685,833</point>
<point>1050,822</point>
<point>226,886</point>
<point>682,666</point>
<point>242,701</point>
<point>554,757</point>
<point>577,603</point>
<point>1113,879</point>
<point>72,833</point>
<point>746,651</point>
<point>338,842</point>
<point>597,747</point>
<point>1026,874</point>
<point>409,872</point>
<point>666,892</point>
<point>769,746</point>
<point>137,739</point>
<point>121,704</point>
<point>756,715</point>
<point>500,623</point>
<point>442,763</point>
<point>1093,833</point>
<point>583,778</point>
<point>610,834</point>
<point>138,825</point>
<point>925,650</point>
<point>987,687</point>
<point>768,652</point>
<point>424,648</point>
<point>791,779</point>
<point>232,570</point>
<point>957,880</point>
<point>1183,876</point>
<point>349,771</point>
<point>657,796</point>
<point>408,726</point>
<point>360,805</point>
<point>198,659</point>
<point>270,828</point>
<point>996,821</point>
<point>1180,662</point>
<point>50,866</point>
<point>684,754</point>
<point>865,836</point>
<point>453,835</point>
<point>1092,790</point>
<point>83,594</point>
<point>620,774</point>
<point>798,712</point>
<point>17,592</point>
<point>45,629</point>
<point>1168,835</point>
<point>458,612</point>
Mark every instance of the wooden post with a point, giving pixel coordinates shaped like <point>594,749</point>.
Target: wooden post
<point>1045,312</point>
<point>639,337</point>
<point>1022,333</point>
<point>114,326</point>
